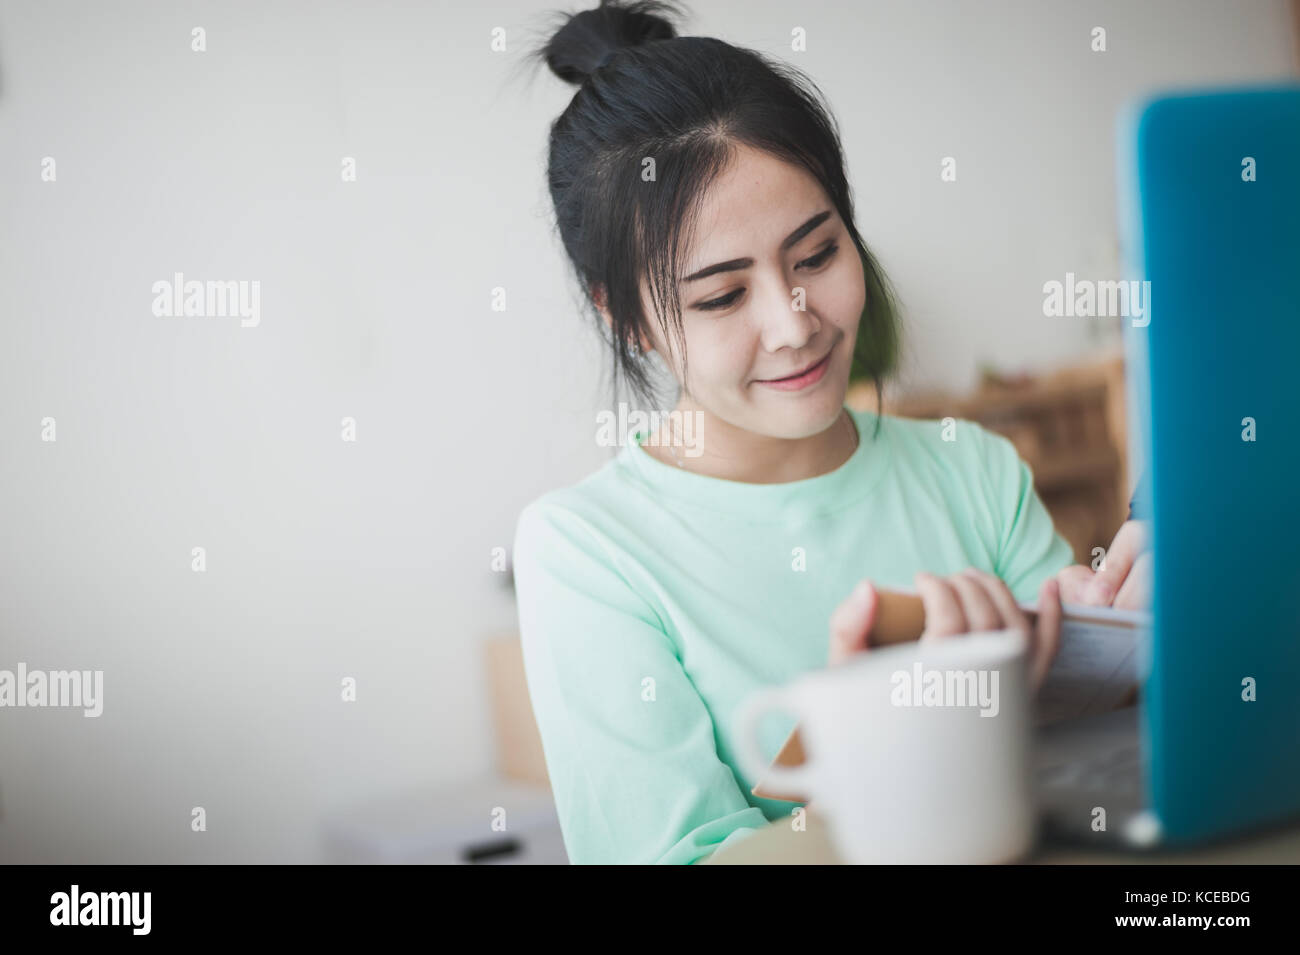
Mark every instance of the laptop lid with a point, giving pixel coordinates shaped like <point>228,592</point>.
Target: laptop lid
<point>1209,188</point>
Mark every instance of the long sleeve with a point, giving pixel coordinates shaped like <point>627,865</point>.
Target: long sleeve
<point>629,743</point>
<point>1029,550</point>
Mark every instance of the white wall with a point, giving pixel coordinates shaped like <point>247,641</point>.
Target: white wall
<point>329,559</point>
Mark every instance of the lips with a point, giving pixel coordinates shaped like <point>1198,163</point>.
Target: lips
<point>798,374</point>
<point>801,381</point>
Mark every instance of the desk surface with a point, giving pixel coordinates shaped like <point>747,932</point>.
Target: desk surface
<point>780,844</point>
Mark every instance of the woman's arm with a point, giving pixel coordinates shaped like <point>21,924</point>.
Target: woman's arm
<point>1029,554</point>
<point>629,743</point>
<point>1028,550</point>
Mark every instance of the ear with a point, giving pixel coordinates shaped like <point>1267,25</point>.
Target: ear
<point>644,345</point>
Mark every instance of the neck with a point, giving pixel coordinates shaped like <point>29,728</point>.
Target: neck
<point>722,450</point>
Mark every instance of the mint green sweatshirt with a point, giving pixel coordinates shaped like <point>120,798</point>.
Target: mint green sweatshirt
<point>653,601</point>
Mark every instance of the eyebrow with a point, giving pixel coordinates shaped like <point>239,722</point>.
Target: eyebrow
<point>736,264</point>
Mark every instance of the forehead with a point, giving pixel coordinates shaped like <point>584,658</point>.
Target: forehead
<point>754,203</point>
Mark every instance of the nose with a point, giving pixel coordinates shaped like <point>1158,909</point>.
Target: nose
<point>784,326</point>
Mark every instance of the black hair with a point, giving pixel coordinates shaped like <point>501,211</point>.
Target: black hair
<point>689,102</point>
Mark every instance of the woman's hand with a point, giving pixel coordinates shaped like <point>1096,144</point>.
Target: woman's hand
<point>1124,578</point>
<point>961,603</point>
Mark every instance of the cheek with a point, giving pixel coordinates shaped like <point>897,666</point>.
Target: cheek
<point>844,297</point>
<point>720,353</point>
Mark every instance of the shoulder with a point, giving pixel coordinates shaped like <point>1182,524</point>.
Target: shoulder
<point>576,564</point>
<point>957,446</point>
<point>560,512</point>
<point>585,514</point>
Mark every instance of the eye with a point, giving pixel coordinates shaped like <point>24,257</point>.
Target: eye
<point>717,303</point>
<point>814,262</point>
<point>820,258</point>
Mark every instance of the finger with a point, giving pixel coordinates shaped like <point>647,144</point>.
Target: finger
<point>1135,594</point>
<point>977,605</point>
<point>943,613</point>
<point>1013,618</point>
<point>1047,633</point>
<point>1123,550</point>
<point>1075,581</point>
<point>852,622</point>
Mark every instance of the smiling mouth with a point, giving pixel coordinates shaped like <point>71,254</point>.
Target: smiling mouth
<point>803,371</point>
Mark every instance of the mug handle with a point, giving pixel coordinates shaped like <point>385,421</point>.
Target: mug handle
<point>759,704</point>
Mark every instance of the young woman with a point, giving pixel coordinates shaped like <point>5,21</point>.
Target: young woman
<point>701,195</point>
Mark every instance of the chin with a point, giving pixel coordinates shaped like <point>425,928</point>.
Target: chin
<point>803,419</point>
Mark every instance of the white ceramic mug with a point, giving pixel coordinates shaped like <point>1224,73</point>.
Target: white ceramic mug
<point>914,753</point>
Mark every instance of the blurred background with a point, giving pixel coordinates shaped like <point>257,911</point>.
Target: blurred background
<point>341,679</point>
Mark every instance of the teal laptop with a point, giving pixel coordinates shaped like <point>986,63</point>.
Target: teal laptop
<point>1209,200</point>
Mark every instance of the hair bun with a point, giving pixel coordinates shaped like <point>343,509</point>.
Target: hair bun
<point>586,40</point>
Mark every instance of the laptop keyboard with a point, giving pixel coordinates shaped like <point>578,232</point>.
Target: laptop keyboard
<point>1095,761</point>
<point>1104,765</point>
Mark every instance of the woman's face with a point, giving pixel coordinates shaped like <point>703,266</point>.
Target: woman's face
<point>766,230</point>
